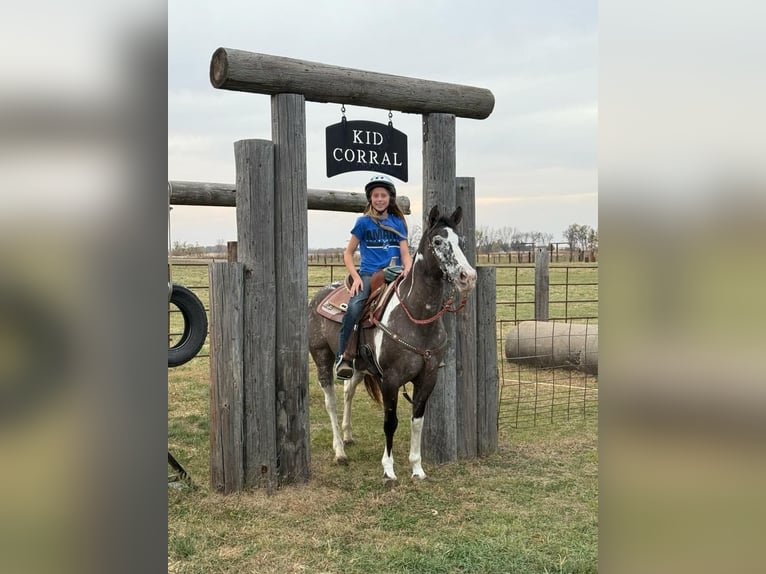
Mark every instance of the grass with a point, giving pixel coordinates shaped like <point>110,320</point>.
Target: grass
<point>529,507</point>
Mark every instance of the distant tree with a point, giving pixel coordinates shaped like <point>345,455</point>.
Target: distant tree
<point>577,236</point>
<point>593,239</point>
<point>572,235</point>
<point>505,237</point>
<point>182,248</point>
<point>483,239</point>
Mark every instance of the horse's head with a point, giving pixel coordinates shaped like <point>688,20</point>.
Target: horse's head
<point>445,246</point>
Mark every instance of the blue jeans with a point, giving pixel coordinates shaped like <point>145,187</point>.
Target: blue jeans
<point>353,313</point>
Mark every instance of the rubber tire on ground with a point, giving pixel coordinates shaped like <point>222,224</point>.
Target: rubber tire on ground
<point>195,326</point>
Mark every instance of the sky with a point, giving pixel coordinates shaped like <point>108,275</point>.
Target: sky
<point>534,159</point>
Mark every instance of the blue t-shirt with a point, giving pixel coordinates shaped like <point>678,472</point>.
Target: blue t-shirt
<point>376,245</point>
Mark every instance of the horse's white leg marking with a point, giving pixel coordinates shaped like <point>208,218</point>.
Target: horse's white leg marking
<point>416,433</point>
<point>337,441</point>
<point>388,465</point>
<point>349,388</point>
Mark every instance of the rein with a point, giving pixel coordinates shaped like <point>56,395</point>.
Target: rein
<point>445,308</point>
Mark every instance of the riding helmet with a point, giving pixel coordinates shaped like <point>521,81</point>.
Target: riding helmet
<point>381,181</point>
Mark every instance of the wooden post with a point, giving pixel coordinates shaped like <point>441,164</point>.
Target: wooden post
<point>486,363</point>
<point>226,440</point>
<point>465,338</point>
<point>231,251</point>
<point>541,284</point>
<point>440,425</point>
<point>288,117</point>
<point>254,161</point>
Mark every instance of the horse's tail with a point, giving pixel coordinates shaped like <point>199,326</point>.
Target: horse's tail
<point>373,388</point>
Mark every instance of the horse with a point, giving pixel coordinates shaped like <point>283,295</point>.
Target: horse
<point>406,344</point>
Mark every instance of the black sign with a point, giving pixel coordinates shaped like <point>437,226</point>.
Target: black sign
<point>366,146</point>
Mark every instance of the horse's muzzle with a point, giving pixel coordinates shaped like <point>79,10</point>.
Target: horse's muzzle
<point>466,280</point>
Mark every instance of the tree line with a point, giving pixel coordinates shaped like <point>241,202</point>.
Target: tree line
<point>492,240</point>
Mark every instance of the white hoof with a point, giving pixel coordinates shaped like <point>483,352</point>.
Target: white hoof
<point>418,476</point>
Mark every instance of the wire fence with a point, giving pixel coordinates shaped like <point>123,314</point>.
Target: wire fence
<point>532,391</point>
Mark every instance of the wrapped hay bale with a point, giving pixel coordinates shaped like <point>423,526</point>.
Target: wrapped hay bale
<point>549,344</point>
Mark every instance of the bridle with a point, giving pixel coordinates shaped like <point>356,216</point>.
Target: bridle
<point>447,307</point>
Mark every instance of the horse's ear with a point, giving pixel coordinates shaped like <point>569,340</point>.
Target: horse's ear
<point>457,215</point>
<point>433,216</point>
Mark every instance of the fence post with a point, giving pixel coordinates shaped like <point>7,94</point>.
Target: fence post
<point>440,425</point>
<point>288,128</point>
<point>254,160</point>
<point>541,284</point>
<point>465,337</point>
<point>226,345</point>
<point>486,361</point>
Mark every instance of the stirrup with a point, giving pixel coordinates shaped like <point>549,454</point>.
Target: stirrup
<point>344,370</point>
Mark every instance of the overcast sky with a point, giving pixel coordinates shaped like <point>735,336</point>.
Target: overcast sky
<point>534,158</point>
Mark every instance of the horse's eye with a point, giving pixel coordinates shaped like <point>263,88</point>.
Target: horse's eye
<point>438,241</point>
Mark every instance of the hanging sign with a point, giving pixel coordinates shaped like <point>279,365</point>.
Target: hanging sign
<point>366,146</point>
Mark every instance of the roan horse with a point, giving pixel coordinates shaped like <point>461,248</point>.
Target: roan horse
<point>407,343</point>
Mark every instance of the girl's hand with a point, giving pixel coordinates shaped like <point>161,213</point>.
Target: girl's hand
<point>356,287</point>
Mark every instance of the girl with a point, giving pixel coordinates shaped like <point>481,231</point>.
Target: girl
<point>381,235</point>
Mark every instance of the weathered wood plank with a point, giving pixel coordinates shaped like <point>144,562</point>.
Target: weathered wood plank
<point>254,161</point>
<point>465,338</point>
<point>542,281</point>
<point>288,114</point>
<point>486,364</point>
<point>226,436</point>
<point>440,425</point>
<point>225,195</point>
<point>243,71</point>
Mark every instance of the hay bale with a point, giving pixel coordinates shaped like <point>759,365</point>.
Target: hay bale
<point>549,344</point>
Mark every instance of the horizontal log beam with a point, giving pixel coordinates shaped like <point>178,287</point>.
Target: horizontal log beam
<point>224,195</point>
<point>243,71</point>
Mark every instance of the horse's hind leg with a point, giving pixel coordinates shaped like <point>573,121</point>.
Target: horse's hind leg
<point>349,388</point>
<point>324,363</point>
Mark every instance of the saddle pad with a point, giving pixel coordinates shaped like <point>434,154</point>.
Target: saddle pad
<point>334,306</point>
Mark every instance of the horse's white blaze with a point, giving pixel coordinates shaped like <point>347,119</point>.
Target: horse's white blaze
<point>416,433</point>
<point>330,406</point>
<point>388,464</point>
<point>460,264</point>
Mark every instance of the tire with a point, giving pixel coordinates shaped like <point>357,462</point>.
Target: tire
<point>195,326</point>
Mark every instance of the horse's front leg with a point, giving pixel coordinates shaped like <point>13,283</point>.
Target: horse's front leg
<point>390,422</point>
<point>422,391</point>
<point>349,388</point>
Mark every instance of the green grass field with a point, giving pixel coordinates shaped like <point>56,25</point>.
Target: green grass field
<point>530,507</point>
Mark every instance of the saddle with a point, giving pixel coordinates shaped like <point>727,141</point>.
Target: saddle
<point>334,306</point>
